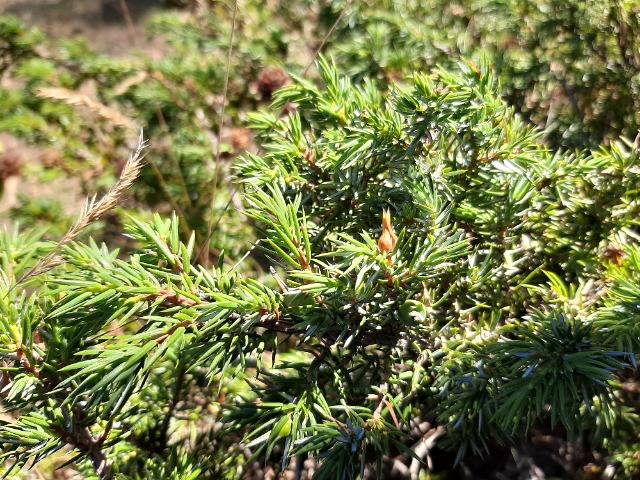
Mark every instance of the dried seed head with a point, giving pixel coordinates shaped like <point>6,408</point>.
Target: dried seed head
<point>270,80</point>
<point>10,164</point>
<point>388,238</point>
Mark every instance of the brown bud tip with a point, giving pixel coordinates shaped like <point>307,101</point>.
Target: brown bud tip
<point>388,238</point>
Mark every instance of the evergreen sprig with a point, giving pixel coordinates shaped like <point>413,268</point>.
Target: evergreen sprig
<point>429,265</point>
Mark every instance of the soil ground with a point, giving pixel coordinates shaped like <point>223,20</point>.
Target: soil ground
<point>110,26</point>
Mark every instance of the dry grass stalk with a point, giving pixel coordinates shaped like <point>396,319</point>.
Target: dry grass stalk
<point>219,136</point>
<point>77,99</point>
<point>211,224</point>
<point>93,210</point>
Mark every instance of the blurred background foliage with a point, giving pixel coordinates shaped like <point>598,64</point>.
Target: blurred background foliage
<point>571,67</point>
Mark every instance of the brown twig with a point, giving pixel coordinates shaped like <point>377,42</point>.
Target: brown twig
<point>24,361</point>
<point>422,450</point>
<point>172,297</point>
<point>81,438</point>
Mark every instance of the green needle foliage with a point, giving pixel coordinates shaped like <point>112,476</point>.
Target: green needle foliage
<point>504,301</point>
